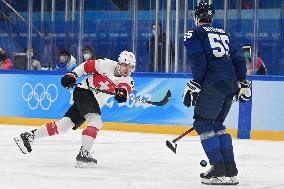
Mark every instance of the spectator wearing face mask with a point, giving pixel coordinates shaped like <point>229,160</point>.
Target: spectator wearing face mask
<point>88,53</point>
<point>66,61</point>
<point>248,57</point>
<point>5,62</point>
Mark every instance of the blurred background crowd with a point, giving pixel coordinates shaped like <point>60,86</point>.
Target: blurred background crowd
<point>61,34</point>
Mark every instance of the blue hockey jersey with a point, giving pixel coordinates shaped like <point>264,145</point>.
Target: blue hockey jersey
<point>213,56</point>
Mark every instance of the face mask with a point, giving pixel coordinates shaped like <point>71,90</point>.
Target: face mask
<point>246,55</point>
<point>87,56</point>
<point>62,59</point>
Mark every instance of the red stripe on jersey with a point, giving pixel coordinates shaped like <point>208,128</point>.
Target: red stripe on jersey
<point>71,74</point>
<point>90,131</point>
<point>51,129</point>
<point>90,66</point>
<point>125,86</point>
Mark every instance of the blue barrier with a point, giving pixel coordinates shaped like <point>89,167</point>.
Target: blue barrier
<point>38,94</point>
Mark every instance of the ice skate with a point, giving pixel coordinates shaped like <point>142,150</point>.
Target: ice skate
<point>24,141</point>
<point>85,160</point>
<point>232,172</point>
<point>216,175</point>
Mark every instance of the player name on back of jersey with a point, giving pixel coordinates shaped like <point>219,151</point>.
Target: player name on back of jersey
<point>213,29</point>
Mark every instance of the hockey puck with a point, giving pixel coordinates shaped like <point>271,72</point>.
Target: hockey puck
<point>203,163</point>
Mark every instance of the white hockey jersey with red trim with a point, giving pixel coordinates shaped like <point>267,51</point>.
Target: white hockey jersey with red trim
<point>100,75</point>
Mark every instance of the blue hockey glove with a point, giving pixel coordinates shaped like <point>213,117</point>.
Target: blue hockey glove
<point>191,93</point>
<point>244,91</point>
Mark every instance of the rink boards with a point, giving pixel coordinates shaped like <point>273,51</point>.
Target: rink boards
<point>36,97</point>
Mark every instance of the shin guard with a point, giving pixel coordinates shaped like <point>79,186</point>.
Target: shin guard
<point>209,140</point>
<point>226,144</point>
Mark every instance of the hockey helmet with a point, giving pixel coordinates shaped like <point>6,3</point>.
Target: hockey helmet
<point>127,58</point>
<point>204,12</point>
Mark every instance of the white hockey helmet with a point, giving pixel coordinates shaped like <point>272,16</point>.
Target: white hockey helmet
<point>127,58</point>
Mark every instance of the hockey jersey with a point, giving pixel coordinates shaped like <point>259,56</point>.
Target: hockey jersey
<point>100,75</point>
<point>213,56</point>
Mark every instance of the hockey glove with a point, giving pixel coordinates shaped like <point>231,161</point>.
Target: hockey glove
<point>121,95</point>
<point>191,93</point>
<point>68,80</point>
<point>244,91</point>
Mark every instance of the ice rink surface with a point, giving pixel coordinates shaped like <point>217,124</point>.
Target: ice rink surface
<point>130,161</point>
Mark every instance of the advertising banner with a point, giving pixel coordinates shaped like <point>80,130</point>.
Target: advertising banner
<point>42,96</point>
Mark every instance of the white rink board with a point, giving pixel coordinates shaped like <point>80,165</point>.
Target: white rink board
<point>130,161</point>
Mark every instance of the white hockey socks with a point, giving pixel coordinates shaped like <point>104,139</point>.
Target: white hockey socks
<point>58,127</point>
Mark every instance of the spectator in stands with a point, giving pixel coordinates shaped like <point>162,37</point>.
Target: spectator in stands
<point>49,48</point>
<point>5,61</point>
<point>88,53</point>
<point>150,45</point>
<point>35,63</point>
<point>66,61</point>
<point>260,66</point>
<point>247,55</point>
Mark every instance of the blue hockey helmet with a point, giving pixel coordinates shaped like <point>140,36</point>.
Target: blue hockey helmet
<point>204,12</point>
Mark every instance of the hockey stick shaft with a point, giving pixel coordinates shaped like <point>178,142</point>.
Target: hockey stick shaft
<point>172,145</point>
<point>160,103</point>
<point>183,134</point>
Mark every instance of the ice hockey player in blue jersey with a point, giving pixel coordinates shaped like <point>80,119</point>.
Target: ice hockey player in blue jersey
<point>219,75</point>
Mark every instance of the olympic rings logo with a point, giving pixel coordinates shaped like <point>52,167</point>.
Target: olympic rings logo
<point>39,95</point>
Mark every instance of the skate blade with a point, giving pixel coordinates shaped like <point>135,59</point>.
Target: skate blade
<point>234,180</point>
<point>218,181</point>
<point>85,165</point>
<point>21,145</point>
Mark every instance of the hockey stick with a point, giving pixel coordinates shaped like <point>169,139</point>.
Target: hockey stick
<point>159,103</point>
<point>172,144</point>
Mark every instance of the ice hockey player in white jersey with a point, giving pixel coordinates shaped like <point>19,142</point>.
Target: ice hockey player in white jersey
<point>103,74</point>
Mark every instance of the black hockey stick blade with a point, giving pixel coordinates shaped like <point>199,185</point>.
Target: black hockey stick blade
<point>172,146</point>
<point>162,102</point>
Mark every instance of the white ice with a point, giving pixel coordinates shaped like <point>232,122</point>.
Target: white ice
<point>130,161</point>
